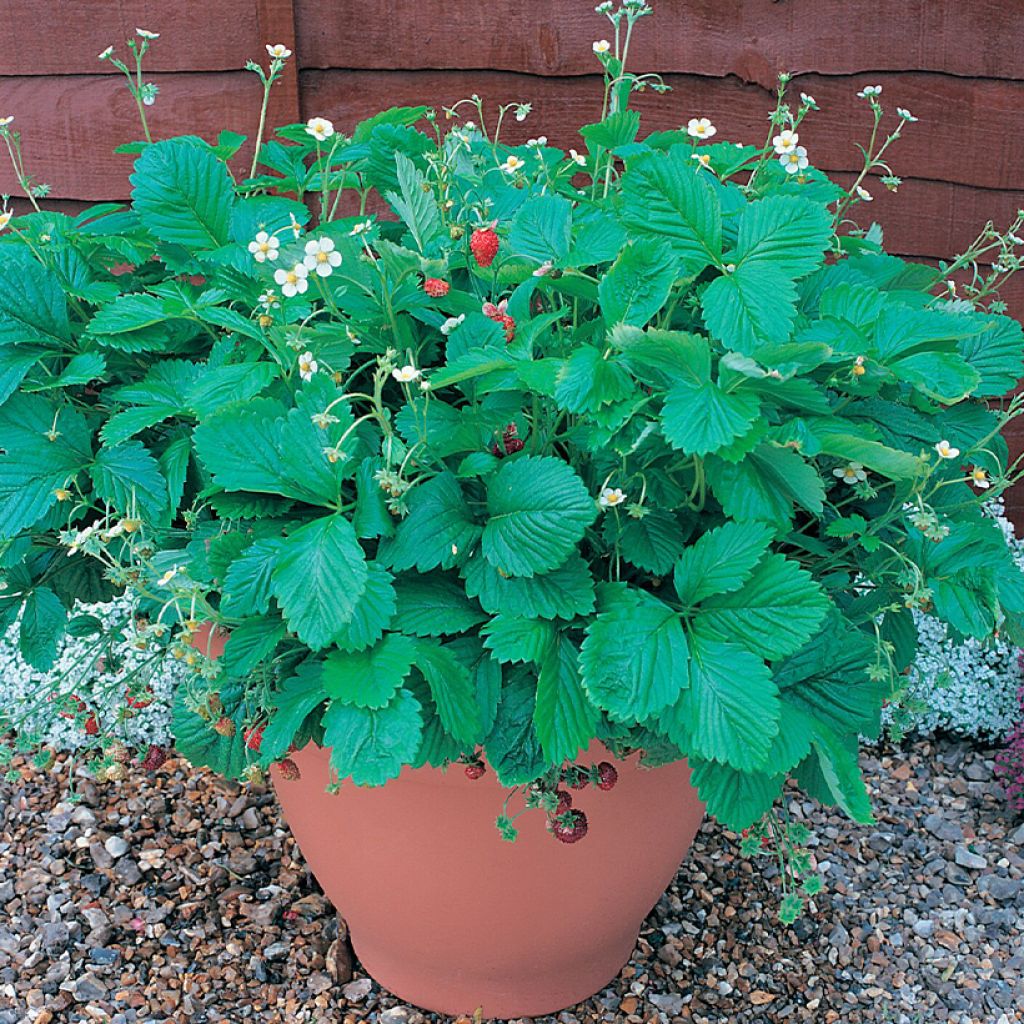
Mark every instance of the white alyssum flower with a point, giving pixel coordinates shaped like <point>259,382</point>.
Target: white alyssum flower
<point>405,374</point>
<point>905,114</point>
<point>852,473</point>
<point>794,161</point>
<point>946,450</point>
<point>320,128</point>
<point>146,34</point>
<point>869,92</point>
<point>307,366</point>
<point>863,193</point>
<point>513,164</point>
<point>979,477</point>
<point>293,282</point>
<point>264,247</point>
<point>610,497</point>
<point>577,158</point>
<point>451,323</point>
<point>602,46</point>
<point>321,256</point>
<point>700,128</point>
<point>278,51</point>
<point>785,141</point>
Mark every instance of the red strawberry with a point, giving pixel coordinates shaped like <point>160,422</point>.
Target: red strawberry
<point>91,725</point>
<point>513,445</point>
<point>254,737</point>
<point>141,701</point>
<point>154,758</point>
<point>484,245</point>
<point>474,771</point>
<point>607,776</point>
<point>435,287</point>
<point>224,726</point>
<point>510,327</point>
<point>564,801</point>
<point>289,770</point>
<point>570,827</point>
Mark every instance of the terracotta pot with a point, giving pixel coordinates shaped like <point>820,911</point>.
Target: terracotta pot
<point>450,917</point>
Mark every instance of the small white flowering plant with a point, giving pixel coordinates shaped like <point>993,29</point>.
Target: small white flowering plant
<point>476,452</point>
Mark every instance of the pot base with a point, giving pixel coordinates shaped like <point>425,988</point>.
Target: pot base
<point>452,918</point>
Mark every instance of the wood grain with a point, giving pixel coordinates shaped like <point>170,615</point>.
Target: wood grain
<point>752,39</point>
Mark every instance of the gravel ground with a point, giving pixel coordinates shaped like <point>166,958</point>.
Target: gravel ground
<point>175,897</point>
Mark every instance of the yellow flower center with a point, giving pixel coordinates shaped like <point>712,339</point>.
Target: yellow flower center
<point>321,257</point>
<point>292,277</point>
<point>264,246</point>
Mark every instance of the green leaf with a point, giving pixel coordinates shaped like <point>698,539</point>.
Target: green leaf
<point>513,748</point>
<point>890,462</point>
<point>371,517</point>
<point>129,478</point>
<point>373,614</point>
<point>195,739</point>
<point>699,418</point>
<point>737,799</point>
<point>721,560</point>
<point>126,314</point>
<point>618,129</point>
<point>371,745</point>
<point>752,307</point>
<point>542,228</point>
<point>219,386</point>
<point>319,579</point>
<point>538,511</point>
<point>247,588</point>
<point>250,643</point>
<point>730,713</point>
<point>637,284</point>
<point>996,352</point>
<point>773,614</point>
<point>452,688</point>
<point>666,197</point>
<point>634,658</point>
<point>765,485</point>
<point>183,194</point>
<point>43,619</point>
<point>652,542</point>
<point>369,678</point>
<point>511,638</point>
<point>298,697</point>
<point>562,593</point>
<point>434,605</point>
<point>564,719</point>
<point>417,208</point>
<point>32,303</point>
<point>788,233</point>
<point>832,768</point>
<point>588,381</point>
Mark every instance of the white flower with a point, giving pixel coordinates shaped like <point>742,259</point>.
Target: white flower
<point>405,375</point>
<point>602,46</point>
<point>264,247</point>
<point>5,121</point>
<point>292,282</point>
<point>307,366</point>
<point>268,299</point>
<point>852,473</point>
<point>361,228</point>
<point>541,140</point>
<point>864,194</point>
<point>320,128</point>
<point>5,218</point>
<point>279,51</point>
<point>105,54</point>
<point>577,158</point>
<point>870,91</point>
<point>905,114</point>
<point>451,323</point>
<point>513,164</point>
<point>168,576</point>
<point>807,100</point>
<point>795,160</point>
<point>544,269</point>
<point>704,159</point>
<point>980,479</point>
<point>946,450</point>
<point>611,496</point>
<point>700,128</point>
<point>321,257</point>
<point>144,34</point>
<point>522,112</point>
<point>785,141</point>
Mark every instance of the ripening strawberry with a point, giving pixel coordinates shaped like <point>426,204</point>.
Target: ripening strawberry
<point>570,827</point>
<point>575,777</point>
<point>224,726</point>
<point>510,328</point>
<point>289,770</point>
<point>607,776</point>
<point>513,445</point>
<point>564,801</point>
<point>154,758</point>
<point>92,727</point>
<point>141,701</point>
<point>475,770</point>
<point>483,243</point>
<point>254,737</point>
<point>436,288</point>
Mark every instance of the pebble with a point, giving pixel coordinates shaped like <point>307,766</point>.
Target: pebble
<point>356,991</point>
<point>968,859</point>
<point>116,847</point>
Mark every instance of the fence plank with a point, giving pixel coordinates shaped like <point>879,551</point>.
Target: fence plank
<point>753,39</point>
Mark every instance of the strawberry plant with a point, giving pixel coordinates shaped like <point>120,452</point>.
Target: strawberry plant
<point>476,452</point>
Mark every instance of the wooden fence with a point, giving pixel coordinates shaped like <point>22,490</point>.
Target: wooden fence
<point>958,67</point>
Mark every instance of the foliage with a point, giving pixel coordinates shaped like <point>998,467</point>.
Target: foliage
<point>646,444</point>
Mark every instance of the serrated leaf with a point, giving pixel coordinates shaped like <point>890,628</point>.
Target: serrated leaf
<point>513,748</point>
<point>434,605</point>
<point>538,512</point>
<point>564,719</point>
<point>373,614</point>
<point>319,579</point>
<point>452,688</point>
<point>562,593</point>
<point>195,740</point>
<point>370,745</point>
<point>588,381</point>
<point>652,542</point>
<point>737,799</point>
<point>637,284</point>
<point>32,303</point>
<point>369,678</point>
<point>129,478</point>
<point>751,307</point>
<point>542,228</point>
<point>417,208</point>
<point>246,589</point>
<point>996,352</point>
<point>634,658</point>
<point>511,638</point>
<point>43,619</point>
<point>699,418</point>
<point>721,560</point>
<point>250,642</point>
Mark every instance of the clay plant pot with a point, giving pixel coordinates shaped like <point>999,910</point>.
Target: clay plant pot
<point>452,918</point>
